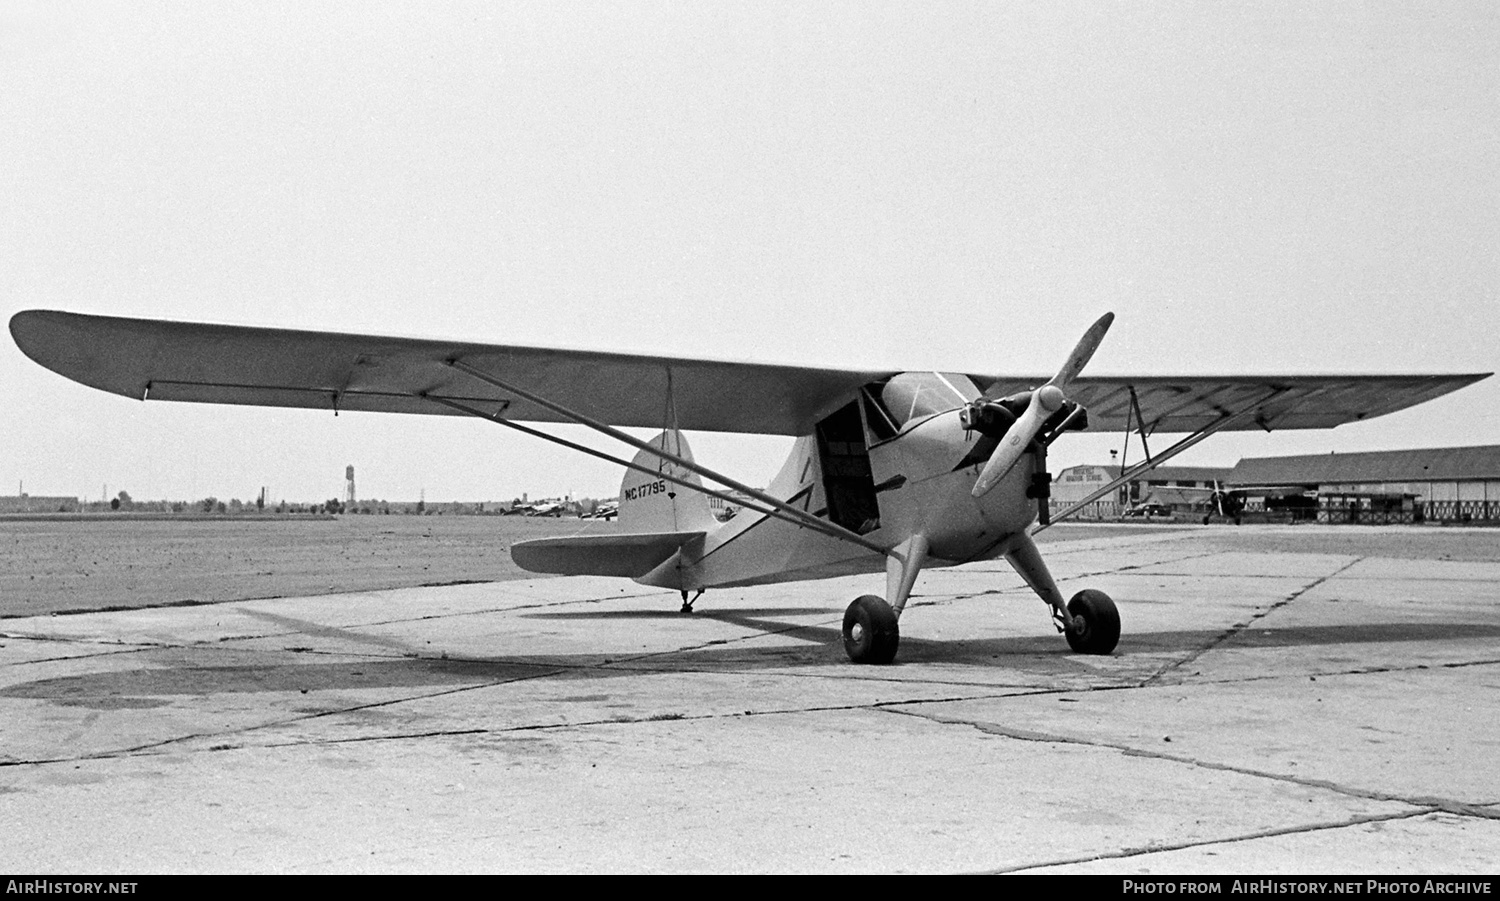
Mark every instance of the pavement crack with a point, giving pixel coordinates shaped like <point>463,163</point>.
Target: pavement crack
<point>989,728</point>
<point>1238,628</point>
<point>1158,848</point>
<point>149,747</point>
<point>1426,803</point>
<point>115,651</point>
<point>1353,671</point>
<point>404,620</point>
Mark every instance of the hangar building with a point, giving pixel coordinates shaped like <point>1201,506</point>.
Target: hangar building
<point>26,503</point>
<point>1447,484</point>
<point>1186,489</point>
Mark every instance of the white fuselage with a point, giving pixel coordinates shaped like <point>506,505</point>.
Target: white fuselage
<point>921,489</point>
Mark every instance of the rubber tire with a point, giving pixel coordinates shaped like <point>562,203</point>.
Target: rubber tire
<point>1101,619</point>
<point>878,633</point>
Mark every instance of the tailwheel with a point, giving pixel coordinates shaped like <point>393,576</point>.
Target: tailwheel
<point>1097,620</point>
<point>870,631</point>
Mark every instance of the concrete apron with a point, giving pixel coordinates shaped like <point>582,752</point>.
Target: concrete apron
<point>1265,712</point>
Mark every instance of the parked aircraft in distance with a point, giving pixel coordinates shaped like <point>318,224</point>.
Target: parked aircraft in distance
<point>537,509</point>
<point>891,470</point>
<point>608,510</point>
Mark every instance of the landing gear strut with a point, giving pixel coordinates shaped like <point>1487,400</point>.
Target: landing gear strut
<point>1090,621</point>
<point>687,605</point>
<point>870,631</point>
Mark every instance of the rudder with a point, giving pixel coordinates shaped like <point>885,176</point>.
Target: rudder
<point>650,503</point>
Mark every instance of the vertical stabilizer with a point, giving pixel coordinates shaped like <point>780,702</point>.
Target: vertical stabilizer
<point>652,504</point>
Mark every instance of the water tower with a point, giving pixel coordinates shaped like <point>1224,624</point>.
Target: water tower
<point>349,484</point>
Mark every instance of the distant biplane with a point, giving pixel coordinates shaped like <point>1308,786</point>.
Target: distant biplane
<point>890,471</point>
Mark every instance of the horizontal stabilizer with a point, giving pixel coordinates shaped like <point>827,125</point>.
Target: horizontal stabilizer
<point>629,555</point>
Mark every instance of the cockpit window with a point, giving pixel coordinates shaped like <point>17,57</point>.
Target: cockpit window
<point>916,395</point>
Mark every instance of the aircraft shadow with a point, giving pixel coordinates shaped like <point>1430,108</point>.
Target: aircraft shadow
<point>1036,656</point>
<point>709,613</point>
<point>348,675</point>
<point>1357,633</point>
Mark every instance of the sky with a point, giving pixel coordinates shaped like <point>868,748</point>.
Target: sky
<point>1251,187</point>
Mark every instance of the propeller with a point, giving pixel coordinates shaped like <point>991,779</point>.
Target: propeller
<point>1045,401</point>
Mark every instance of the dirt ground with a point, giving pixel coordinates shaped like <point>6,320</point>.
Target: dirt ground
<point>85,564</point>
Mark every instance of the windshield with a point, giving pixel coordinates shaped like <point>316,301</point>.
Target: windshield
<point>914,395</point>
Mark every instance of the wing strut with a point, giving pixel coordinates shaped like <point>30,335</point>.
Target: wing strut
<point>1151,463</point>
<point>1141,430</point>
<point>537,433</point>
<point>802,517</point>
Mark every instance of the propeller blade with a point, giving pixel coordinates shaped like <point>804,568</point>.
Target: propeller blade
<point>1045,401</point>
<point>1083,352</point>
<point>1080,357</point>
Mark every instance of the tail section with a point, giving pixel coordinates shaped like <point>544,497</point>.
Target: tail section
<point>649,503</point>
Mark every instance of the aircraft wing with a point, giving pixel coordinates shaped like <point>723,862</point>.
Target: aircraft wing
<point>161,360</point>
<point>1185,404</point>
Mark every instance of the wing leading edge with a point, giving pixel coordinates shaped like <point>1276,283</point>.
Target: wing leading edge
<point>181,361</point>
<point>1185,404</point>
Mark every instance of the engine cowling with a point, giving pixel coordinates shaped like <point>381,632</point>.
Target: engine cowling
<point>990,417</point>
<point>995,417</point>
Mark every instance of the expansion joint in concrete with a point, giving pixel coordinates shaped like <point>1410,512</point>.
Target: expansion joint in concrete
<point>1159,848</point>
<point>1238,628</point>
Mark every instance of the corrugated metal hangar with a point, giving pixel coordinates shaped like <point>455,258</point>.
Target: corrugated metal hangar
<point>1441,484</point>
<point>1446,484</point>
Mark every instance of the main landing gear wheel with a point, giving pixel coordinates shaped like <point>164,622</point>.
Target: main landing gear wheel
<point>870,631</point>
<point>1101,623</point>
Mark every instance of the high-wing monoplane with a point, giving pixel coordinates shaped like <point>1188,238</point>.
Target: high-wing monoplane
<point>892,471</point>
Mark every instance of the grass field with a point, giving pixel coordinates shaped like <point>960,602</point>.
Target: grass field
<point>98,563</point>
<point>95,563</point>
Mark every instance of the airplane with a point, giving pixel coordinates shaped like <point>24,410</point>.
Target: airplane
<point>1229,500</point>
<point>607,510</point>
<point>892,471</point>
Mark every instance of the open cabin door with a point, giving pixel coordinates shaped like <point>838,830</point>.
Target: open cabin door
<point>847,480</point>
